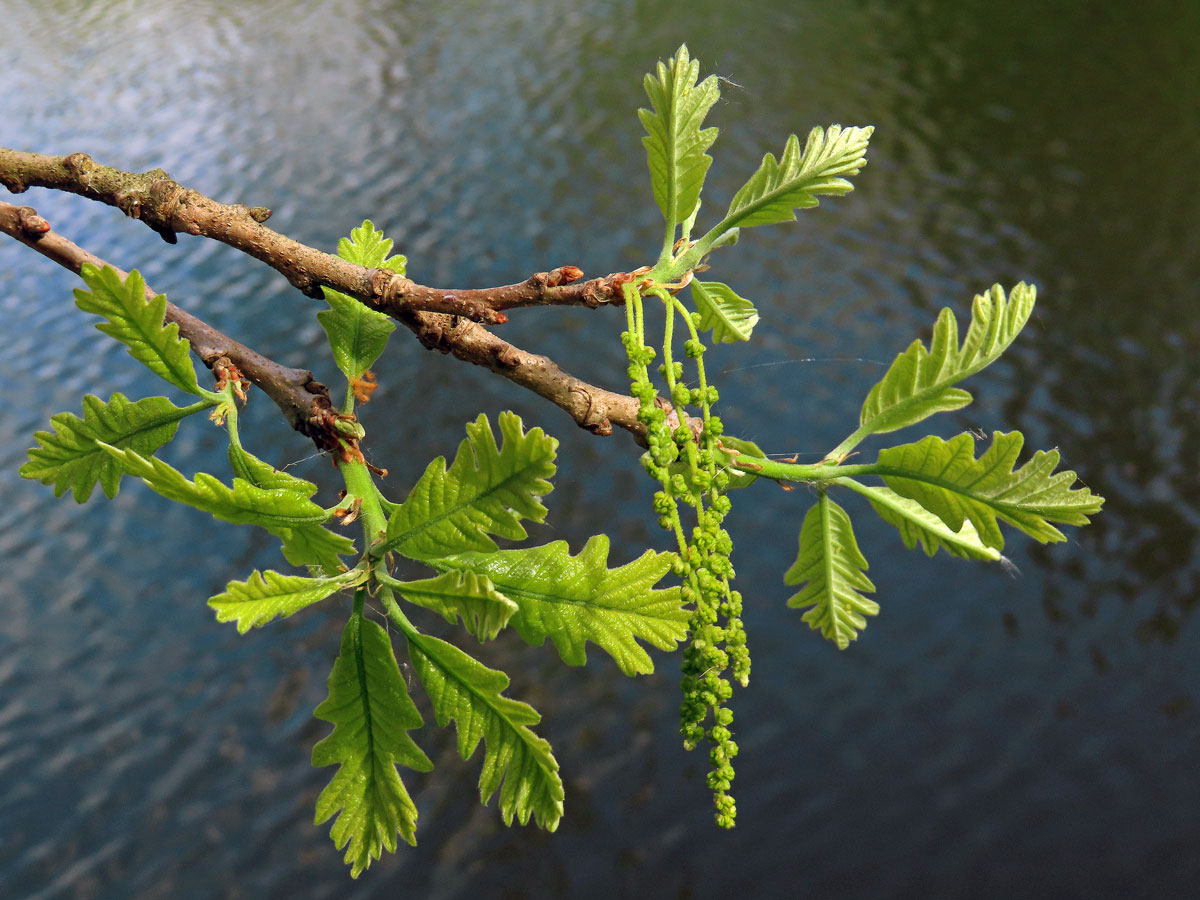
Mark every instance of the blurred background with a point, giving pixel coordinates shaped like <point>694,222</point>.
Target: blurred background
<point>989,736</point>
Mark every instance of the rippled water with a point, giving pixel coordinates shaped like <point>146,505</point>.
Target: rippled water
<point>988,736</point>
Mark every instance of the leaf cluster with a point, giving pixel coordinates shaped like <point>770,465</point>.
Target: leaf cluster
<point>937,493</point>
<point>450,521</point>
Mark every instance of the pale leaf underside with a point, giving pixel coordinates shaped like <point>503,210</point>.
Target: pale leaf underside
<point>314,546</point>
<point>833,572</point>
<point>462,595</point>
<point>945,478</point>
<point>731,318</point>
<point>916,525</point>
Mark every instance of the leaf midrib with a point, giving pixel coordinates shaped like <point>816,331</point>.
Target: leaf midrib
<point>508,590</point>
<point>77,454</point>
<point>520,730</point>
<point>395,543</point>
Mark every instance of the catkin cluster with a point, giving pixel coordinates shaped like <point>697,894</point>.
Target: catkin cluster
<point>684,461</point>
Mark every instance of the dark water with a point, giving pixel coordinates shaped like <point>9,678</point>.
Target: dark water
<point>988,736</point>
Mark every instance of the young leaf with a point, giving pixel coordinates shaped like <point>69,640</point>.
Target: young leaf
<point>916,523</point>
<point>833,567</point>
<point>946,479</point>
<point>69,457</point>
<point>138,324</point>
<point>730,317</point>
<point>269,595</point>
<point>920,382</point>
<point>487,490</point>
<point>357,334</point>
<point>262,474</point>
<point>576,599</point>
<point>515,760</point>
<point>777,189</point>
<point>466,595</point>
<point>371,712</point>
<point>243,504</point>
<point>314,546</point>
<point>675,143</point>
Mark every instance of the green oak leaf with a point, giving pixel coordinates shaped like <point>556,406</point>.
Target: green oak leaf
<point>466,595</point>
<point>946,479</point>
<point>310,545</point>
<point>241,504</point>
<point>269,595</point>
<point>371,712</point>
<point>262,474</point>
<point>487,490</point>
<point>70,457</point>
<point>358,334</point>
<point>920,382</point>
<point>917,524</point>
<point>576,599</point>
<point>731,318</point>
<point>833,571</point>
<point>138,324</point>
<point>314,546</point>
<point>777,189</point>
<point>675,143</point>
<point>516,761</point>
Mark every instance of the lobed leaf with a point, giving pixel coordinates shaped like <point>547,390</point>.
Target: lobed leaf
<point>946,479</point>
<point>516,761</point>
<point>576,599</point>
<point>241,504</point>
<point>916,523</point>
<point>462,594</point>
<point>138,324</point>
<point>920,382</point>
<point>70,457</point>
<point>314,546</point>
<point>832,569</point>
<point>358,334</point>
<point>487,490</point>
<point>675,143</point>
<point>310,545</point>
<point>262,474</point>
<point>731,318</point>
<point>777,189</point>
<point>269,595</point>
<point>371,712</point>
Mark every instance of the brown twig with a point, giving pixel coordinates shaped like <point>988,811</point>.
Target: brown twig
<point>169,208</point>
<point>445,320</point>
<point>592,407</point>
<point>304,402</point>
